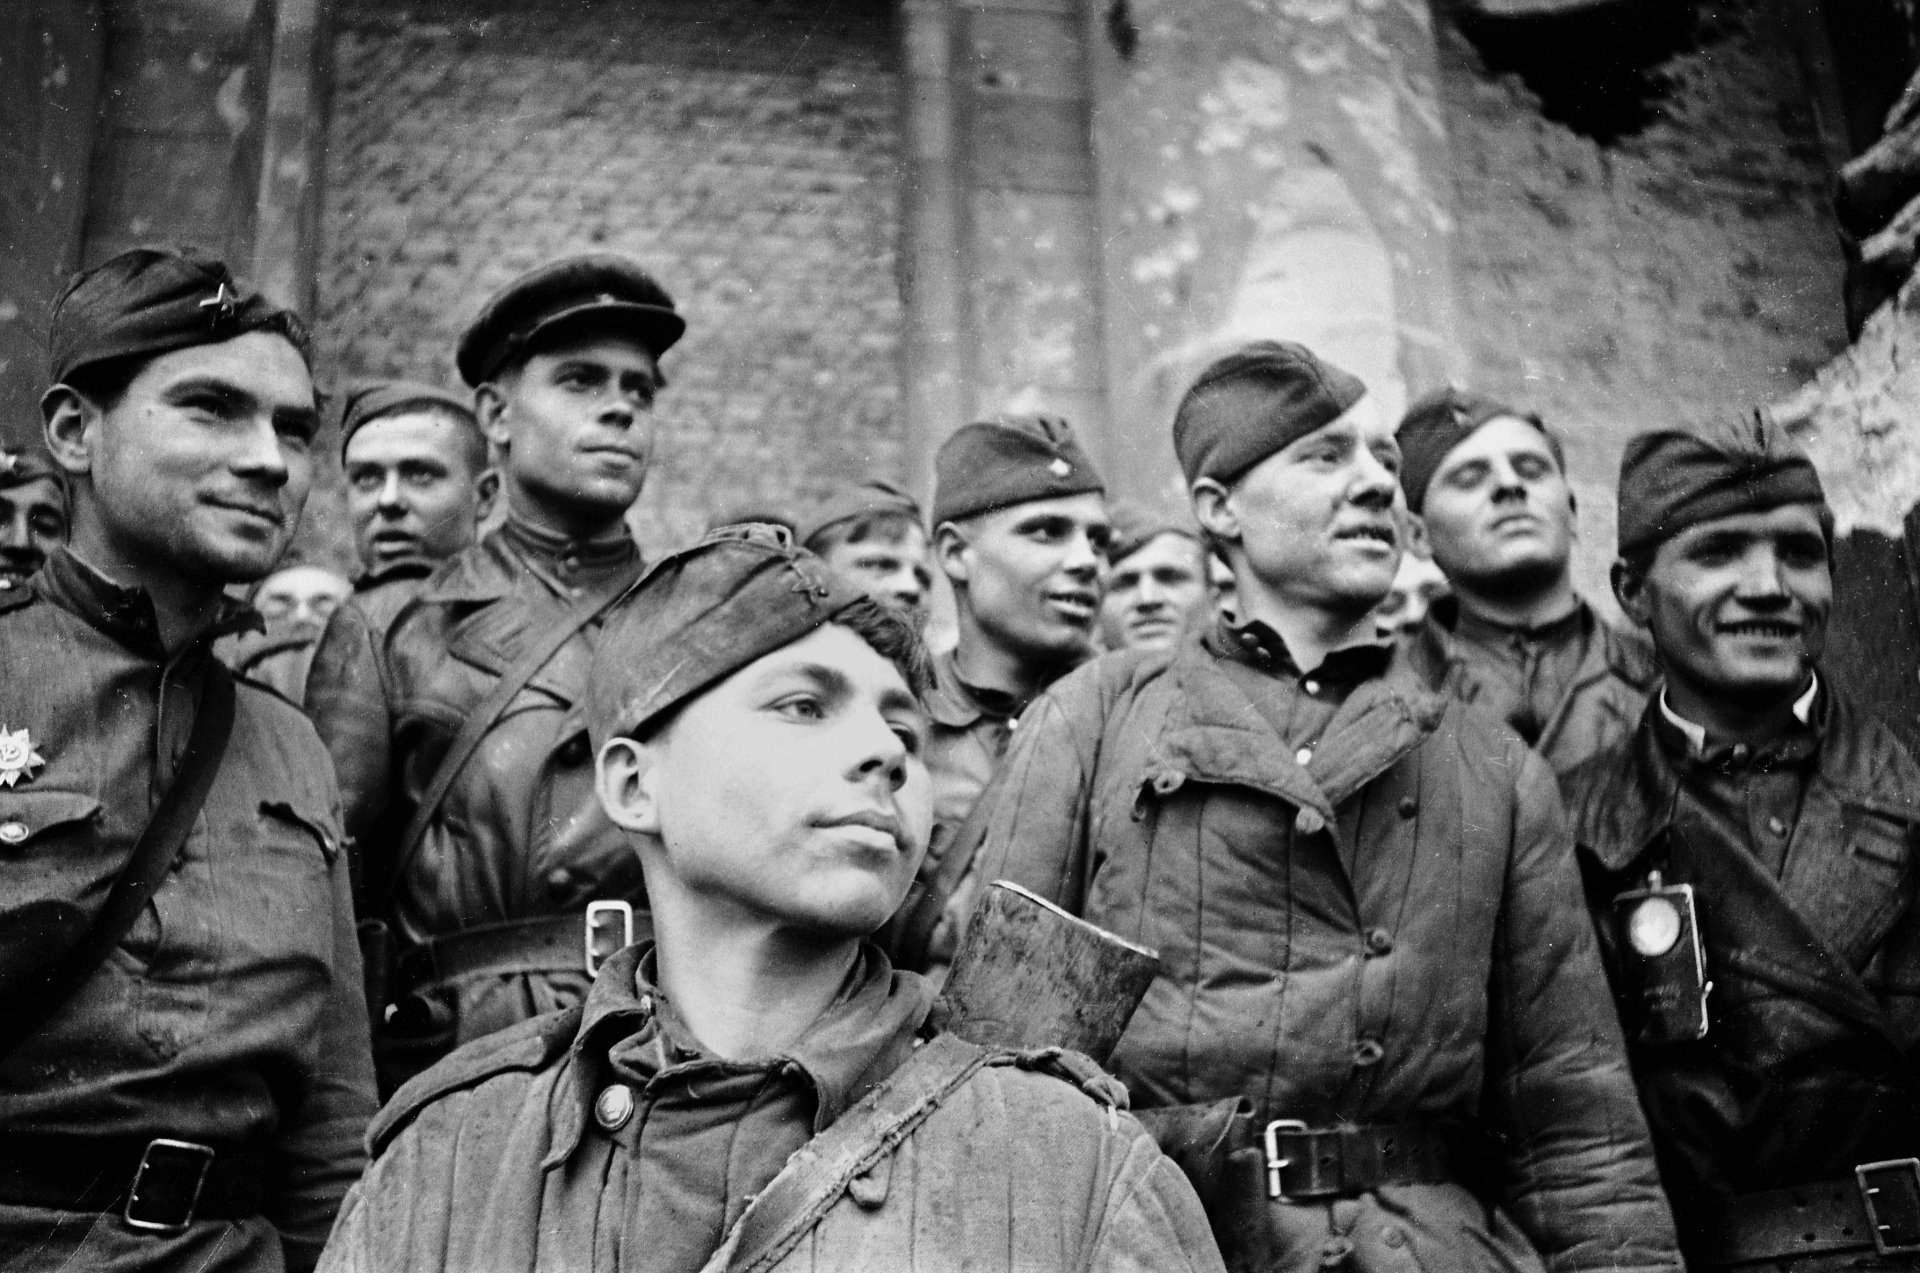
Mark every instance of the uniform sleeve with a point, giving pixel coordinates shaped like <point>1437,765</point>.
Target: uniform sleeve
<point>347,702</point>
<point>1030,825</point>
<point>321,1147</point>
<point>1581,1178</point>
<point>1153,1220</point>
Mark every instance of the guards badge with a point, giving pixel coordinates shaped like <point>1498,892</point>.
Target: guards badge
<point>18,759</point>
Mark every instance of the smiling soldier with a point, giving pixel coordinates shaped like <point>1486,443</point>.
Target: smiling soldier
<point>1362,892</point>
<point>1490,482</point>
<point>1750,863</point>
<point>758,1088</point>
<point>184,1066</point>
<point>457,731</point>
<point>33,514</point>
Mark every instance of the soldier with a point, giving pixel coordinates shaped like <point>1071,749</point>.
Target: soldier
<point>1157,584</point>
<point>185,1072</point>
<point>457,730</point>
<point>1363,894</point>
<point>875,535</point>
<point>759,1088</point>
<point>418,484</point>
<point>1755,838</point>
<point>294,603</point>
<point>1490,482</point>
<point>33,514</point>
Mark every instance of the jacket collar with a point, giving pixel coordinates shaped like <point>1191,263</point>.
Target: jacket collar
<point>126,613</point>
<point>1695,736</point>
<point>953,702</point>
<point>629,1030</point>
<point>491,568</point>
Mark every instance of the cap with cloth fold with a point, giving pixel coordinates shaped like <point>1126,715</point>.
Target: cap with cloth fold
<point>1255,401</point>
<point>1007,460</point>
<point>701,614</point>
<point>1135,526</point>
<point>870,498</point>
<point>1439,421</point>
<point>1671,479</point>
<point>19,466</point>
<point>595,290</point>
<point>369,400</point>
<point>151,301</point>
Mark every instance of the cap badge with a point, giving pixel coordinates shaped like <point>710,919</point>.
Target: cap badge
<point>223,303</point>
<point>1059,467</point>
<point>9,460</point>
<point>18,759</point>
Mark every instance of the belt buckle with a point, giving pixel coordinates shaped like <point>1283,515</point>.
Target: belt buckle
<point>1275,1163</point>
<point>607,919</point>
<point>161,1153</point>
<point>1898,1233</point>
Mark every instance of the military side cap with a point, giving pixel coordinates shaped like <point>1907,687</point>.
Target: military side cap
<point>1008,460</point>
<point>598,290</point>
<point>19,466</point>
<point>1671,479</point>
<point>369,400</point>
<point>700,615</point>
<point>1254,402</point>
<point>1439,421</point>
<point>1134,527</point>
<point>151,301</point>
<point>867,499</point>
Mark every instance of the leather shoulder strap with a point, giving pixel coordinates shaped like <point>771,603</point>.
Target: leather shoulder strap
<point>481,719</point>
<point>822,1169</point>
<point>153,855</point>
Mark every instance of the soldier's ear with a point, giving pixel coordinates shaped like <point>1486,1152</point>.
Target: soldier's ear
<point>486,490</point>
<point>625,775</point>
<point>1214,512</point>
<point>950,544</point>
<point>1630,590</point>
<point>71,421</point>
<point>490,409</point>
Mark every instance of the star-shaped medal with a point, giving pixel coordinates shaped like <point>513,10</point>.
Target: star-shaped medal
<point>18,759</point>
<point>223,303</point>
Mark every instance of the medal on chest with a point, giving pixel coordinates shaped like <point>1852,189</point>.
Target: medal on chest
<point>19,762</point>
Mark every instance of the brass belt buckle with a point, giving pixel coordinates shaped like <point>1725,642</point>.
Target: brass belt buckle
<point>609,928</point>
<point>1274,1161</point>
<point>153,1214</point>
<point>1890,1189</point>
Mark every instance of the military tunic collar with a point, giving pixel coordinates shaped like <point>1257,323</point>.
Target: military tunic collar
<point>567,565</point>
<point>1690,740</point>
<point>1257,644</point>
<point>957,703</point>
<point>126,613</point>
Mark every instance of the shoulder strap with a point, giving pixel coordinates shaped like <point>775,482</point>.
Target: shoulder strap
<point>153,855</point>
<point>481,719</point>
<point>820,1171</point>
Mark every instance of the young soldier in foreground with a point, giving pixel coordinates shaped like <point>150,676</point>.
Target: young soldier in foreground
<point>192,1092</point>
<point>760,744</point>
<point>1490,482</point>
<point>1758,832</point>
<point>1363,893</point>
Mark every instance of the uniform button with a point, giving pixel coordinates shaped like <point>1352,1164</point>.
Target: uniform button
<point>1379,941</point>
<point>1368,1052</point>
<point>1169,782</point>
<point>559,880</point>
<point>1408,806</point>
<point>1393,1235</point>
<point>1776,826</point>
<point>13,832</point>
<point>1740,753</point>
<point>1304,755</point>
<point>1310,685</point>
<point>1309,822</point>
<point>613,1108</point>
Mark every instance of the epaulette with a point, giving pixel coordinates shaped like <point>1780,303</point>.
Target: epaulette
<point>1068,1066</point>
<point>530,1045</point>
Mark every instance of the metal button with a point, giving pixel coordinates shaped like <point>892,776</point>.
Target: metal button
<point>1408,806</point>
<point>1304,755</point>
<point>13,832</point>
<point>613,1108</point>
<point>559,880</point>
<point>1368,1052</point>
<point>1740,753</point>
<point>1309,822</point>
<point>1393,1235</point>
<point>1168,782</point>
<point>1310,685</point>
<point>1776,826</point>
<point>1379,941</point>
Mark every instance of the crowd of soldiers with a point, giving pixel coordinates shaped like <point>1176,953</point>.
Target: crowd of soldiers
<point>531,904</point>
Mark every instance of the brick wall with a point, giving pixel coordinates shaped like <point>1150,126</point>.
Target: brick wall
<point>746,150</point>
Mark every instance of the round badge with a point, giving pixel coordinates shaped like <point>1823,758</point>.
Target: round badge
<point>1654,926</point>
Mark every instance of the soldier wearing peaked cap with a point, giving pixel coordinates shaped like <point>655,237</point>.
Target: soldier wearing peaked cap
<point>1379,1035</point>
<point>1749,854</point>
<point>758,1088</point>
<point>33,513</point>
<point>185,1072</point>
<point>1490,483</point>
<point>457,729</point>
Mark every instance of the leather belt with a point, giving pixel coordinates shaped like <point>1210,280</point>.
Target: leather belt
<point>549,943</point>
<point>1876,1209</point>
<point>160,1185</point>
<point>1300,1163</point>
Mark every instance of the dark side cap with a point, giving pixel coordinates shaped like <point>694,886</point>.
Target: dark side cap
<point>1008,460</point>
<point>151,301</point>
<point>597,290</point>
<point>369,400</point>
<point>1255,401</point>
<point>866,499</point>
<point>1439,421</point>
<point>700,615</point>
<point>19,465</point>
<point>1672,479</point>
<point>1135,526</point>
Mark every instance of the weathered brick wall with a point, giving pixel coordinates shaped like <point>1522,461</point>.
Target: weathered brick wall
<point>746,150</point>
<point>1682,269</point>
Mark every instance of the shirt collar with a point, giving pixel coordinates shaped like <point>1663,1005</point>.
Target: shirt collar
<point>126,613</point>
<point>1696,735</point>
<point>957,703</point>
<point>1475,627</point>
<point>1255,643</point>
